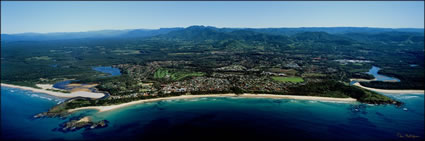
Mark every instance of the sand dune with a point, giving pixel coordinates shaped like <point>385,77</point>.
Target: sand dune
<point>58,94</point>
<point>390,91</point>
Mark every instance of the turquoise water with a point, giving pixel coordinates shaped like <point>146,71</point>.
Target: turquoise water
<point>215,118</point>
<point>109,70</point>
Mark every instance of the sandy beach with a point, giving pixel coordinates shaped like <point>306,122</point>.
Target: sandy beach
<point>369,80</point>
<point>112,107</point>
<point>46,86</point>
<point>84,119</point>
<point>362,80</point>
<point>81,87</point>
<point>390,91</point>
<point>58,94</point>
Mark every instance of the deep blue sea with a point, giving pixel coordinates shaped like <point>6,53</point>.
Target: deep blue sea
<point>219,118</point>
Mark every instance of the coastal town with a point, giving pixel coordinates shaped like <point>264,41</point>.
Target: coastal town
<point>105,77</point>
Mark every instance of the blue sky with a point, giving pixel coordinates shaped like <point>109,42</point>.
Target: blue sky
<point>73,16</point>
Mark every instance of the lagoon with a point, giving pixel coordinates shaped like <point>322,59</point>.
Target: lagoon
<point>109,70</point>
<point>379,77</point>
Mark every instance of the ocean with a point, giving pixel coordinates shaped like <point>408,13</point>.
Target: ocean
<point>219,118</point>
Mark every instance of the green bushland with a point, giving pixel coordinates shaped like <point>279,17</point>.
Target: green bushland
<point>313,75</point>
<point>331,88</point>
<point>120,85</point>
<point>269,48</point>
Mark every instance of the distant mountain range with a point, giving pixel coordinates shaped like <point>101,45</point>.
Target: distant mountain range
<point>88,34</point>
<point>209,32</point>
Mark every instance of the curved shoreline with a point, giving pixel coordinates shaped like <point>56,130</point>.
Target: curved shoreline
<point>389,91</point>
<point>362,80</point>
<point>58,94</point>
<point>245,95</point>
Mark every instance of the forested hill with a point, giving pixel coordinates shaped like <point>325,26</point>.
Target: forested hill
<point>362,33</point>
<point>102,34</point>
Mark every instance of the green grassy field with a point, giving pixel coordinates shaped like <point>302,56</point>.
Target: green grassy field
<point>288,79</point>
<point>163,73</point>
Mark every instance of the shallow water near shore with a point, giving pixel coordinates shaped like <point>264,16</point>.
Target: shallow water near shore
<point>214,118</point>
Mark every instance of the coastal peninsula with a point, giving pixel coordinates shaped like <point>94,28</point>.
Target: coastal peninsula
<point>201,61</point>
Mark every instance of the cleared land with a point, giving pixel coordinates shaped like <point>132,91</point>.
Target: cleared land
<point>288,79</point>
<point>165,73</point>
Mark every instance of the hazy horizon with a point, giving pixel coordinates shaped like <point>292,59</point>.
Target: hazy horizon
<point>61,17</point>
<point>198,25</point>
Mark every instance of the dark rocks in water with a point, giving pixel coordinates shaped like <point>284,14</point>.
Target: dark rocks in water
<point>398,103</point>
<point>40,115</point>
<point>74,125</point>
<point>100,124</point>
<point>358,108</point>
<point>51,114</point>
<point>60,109</point>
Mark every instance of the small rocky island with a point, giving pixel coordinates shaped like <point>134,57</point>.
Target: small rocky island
<point>85,122</point>
<point>74,123</point>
